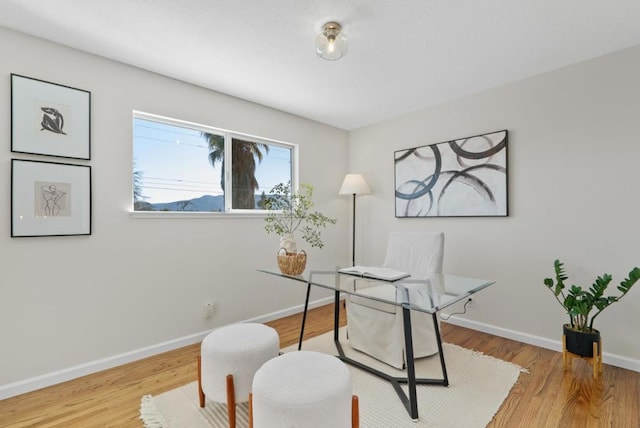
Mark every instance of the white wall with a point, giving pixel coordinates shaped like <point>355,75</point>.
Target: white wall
<point>574,148</point>
<point>70,305</point>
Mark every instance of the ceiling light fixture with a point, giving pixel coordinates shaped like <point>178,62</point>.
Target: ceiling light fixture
<point>331,44</point>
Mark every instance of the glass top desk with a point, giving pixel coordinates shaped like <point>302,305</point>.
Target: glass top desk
<point>429,295</point>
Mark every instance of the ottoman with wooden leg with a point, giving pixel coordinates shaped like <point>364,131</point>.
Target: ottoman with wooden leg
<point>303,389</point>
<point>229,358</point>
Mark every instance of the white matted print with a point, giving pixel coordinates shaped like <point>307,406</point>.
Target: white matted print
<point>50,199</point>
<point>50,119</point>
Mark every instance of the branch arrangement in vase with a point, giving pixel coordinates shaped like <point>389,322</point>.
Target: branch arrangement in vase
<point>290,212</point>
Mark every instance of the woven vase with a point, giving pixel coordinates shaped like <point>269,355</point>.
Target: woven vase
<point>292,263</point>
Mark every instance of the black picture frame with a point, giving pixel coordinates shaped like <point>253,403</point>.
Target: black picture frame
<point>50,119</point>
<point>50,199</point>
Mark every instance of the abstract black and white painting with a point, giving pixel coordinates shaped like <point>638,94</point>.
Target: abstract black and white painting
<point>466,177</point>
<point>50,119</point>
<point>50,199</point>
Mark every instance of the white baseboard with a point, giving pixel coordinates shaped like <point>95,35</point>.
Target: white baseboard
<point>53,378</point>
<point>554,345</point>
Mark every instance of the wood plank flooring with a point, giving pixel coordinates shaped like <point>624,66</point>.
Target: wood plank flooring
<point>546,397</point>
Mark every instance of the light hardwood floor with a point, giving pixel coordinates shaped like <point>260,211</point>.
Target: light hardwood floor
<point>546,397</point>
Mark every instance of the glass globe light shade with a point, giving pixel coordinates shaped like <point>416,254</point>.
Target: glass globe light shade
<point>331,44</point>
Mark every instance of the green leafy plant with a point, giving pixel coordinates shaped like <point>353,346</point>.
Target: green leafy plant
<point>579,303</point>
<point>290,212</point>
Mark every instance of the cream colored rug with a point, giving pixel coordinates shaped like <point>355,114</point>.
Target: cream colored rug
<point>478,386</point>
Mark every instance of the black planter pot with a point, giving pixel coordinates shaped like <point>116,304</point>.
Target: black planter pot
<point>579,342</point>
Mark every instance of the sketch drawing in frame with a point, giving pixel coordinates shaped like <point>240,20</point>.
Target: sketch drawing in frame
<point>50,119</point>
<point>459,178</point>
<point>50,199</point>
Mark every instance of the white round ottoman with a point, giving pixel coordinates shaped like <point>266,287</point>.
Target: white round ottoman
<point>229,357</point>
<point>303,389</point>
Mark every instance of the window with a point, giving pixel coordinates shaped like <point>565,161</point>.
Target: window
<point>181,166</point>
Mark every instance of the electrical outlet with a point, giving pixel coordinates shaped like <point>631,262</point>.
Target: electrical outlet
<point>208,310</point>
<point>471,303</point>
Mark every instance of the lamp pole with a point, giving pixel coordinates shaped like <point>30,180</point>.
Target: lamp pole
<point>353,238</point>
<point>353,185</point>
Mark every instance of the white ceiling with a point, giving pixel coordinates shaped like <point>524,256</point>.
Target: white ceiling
<point>404,55</point>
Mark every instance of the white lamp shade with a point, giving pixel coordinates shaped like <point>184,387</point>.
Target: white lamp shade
<point>354,184</point>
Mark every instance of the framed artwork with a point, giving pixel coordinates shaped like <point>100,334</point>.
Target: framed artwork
<point>50,119</point>
<point>459,178</point>
<point>50,199</point>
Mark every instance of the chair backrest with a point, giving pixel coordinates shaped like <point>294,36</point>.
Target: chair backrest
<point>418,253</point>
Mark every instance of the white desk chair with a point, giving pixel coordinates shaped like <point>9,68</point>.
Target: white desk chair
<point>376,328</point>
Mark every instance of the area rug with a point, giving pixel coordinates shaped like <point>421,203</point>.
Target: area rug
<point>478,384</point>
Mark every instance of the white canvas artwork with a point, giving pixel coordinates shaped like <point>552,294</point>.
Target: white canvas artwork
<point>458,178</point>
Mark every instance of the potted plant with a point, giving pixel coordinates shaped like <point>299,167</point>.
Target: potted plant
<point>290,212</point>
<point>579,304</point>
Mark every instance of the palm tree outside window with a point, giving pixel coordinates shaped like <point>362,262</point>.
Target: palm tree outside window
<point>180,166</point>
<point>243,172</point>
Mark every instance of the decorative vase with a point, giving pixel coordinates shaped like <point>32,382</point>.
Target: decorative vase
<point>288,242</point>
<point>580,342</point>
<point>292,263</point>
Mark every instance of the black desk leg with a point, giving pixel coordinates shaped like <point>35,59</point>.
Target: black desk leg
<point>304,316</point>
<point>412,405</point>
<point>445,378</point>
<point>336,316</point>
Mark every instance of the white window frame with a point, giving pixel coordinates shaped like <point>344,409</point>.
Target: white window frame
<point>229,135</point>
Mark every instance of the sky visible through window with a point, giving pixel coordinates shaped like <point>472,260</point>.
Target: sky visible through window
<point>174,163</point>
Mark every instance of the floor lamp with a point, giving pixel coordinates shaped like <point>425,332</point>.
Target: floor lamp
<point>354,184</point>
